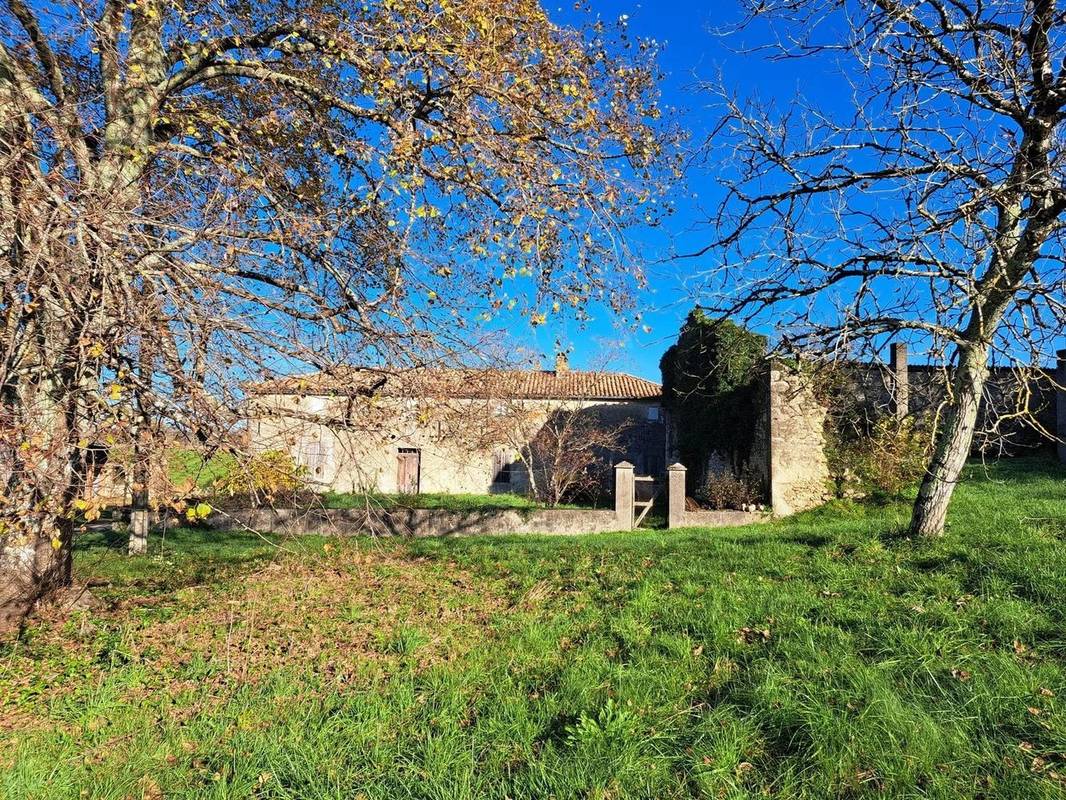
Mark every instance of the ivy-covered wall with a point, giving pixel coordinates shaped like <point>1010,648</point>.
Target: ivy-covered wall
<point>710,385</point>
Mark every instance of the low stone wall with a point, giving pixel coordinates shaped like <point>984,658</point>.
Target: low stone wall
<point>678,515</point>
<point>720,519</point>
<point>418,522</point>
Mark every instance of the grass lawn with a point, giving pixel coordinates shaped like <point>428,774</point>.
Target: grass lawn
<point>825,656</point>
<point>189,466</point>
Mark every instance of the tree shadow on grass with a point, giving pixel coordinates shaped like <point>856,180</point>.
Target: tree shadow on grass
<point>102,537</point>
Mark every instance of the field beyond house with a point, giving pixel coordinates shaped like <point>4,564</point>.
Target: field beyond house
<point>826,656</point>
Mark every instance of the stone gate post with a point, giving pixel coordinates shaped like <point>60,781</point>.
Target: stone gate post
<point>1060,404</point>
<point>675,495</point>
<point>624,495</point>
<point>901,388</point>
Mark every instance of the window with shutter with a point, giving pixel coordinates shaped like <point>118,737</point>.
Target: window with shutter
<point>313,456</point>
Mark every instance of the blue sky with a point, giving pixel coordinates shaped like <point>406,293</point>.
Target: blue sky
<point>692,50</point>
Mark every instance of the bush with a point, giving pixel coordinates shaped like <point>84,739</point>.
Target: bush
<point>724,490</point>
<point>263,477</point>
<point>891,457</point>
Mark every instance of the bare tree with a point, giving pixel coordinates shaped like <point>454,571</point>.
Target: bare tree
<point>571,453</point>
<point>195,194</point>
<point>933,206</point>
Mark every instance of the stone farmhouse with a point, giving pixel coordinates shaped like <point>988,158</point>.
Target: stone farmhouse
<point>447,430</point>
<point>462,431</point>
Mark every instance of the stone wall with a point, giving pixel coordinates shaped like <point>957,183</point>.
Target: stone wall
<point>787,453</point>
<point>793,447</point>
<point>720,519</point>
<point>1017,412</point>
<point>353,445</point>
<point>416,522</point>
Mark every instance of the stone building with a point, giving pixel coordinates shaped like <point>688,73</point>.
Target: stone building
<point>1023,411</point>
<point>464,430</point>
<point>447,430</point>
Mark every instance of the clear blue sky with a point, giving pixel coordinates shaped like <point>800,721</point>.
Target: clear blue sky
<point>692,51</point>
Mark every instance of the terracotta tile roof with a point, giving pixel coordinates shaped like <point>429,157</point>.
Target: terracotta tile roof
<point>468,383</point>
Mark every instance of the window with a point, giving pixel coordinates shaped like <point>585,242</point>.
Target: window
<point>313,456</point>
<point>653,414</point>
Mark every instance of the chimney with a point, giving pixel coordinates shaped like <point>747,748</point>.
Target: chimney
<point>562,363</point>
<point>901,389</point>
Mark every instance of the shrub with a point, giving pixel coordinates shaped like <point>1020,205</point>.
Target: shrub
<point>891,457</point>
<point>724,490</point>
<point>263,477</point>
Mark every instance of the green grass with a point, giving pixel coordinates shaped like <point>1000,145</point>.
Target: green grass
<point>826,656</point>
<point>447,502</point>
<point>189,466</point>
<point>177,559</point>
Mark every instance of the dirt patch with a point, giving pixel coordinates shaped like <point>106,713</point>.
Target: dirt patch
<point>342,620</point>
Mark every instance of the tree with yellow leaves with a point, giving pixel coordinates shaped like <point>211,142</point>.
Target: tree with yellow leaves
<point>197,193</point>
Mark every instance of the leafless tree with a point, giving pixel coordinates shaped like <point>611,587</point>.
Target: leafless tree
<point>571,453</point>
<point>932,207</point>
<point>196,194</point>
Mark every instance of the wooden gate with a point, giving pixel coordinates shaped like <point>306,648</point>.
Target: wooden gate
<point>409,466</point>
<point>646,489</point>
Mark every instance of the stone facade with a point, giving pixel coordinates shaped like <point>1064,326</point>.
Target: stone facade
<point>438,444</point>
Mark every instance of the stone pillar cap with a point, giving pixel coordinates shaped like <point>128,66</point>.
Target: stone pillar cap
<point>624,465</point>
<point>677,466</point>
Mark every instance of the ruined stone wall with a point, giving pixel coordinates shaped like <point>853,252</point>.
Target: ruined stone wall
<point>1017,410</point>
<point>793,441</point>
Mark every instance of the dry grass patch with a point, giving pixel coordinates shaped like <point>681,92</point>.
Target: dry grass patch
<point>332,617</point>
<point>345,616</point>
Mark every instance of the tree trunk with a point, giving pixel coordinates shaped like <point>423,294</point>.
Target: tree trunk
<point>31,567</point>
<point>143,444</point>
<point>952,443</point>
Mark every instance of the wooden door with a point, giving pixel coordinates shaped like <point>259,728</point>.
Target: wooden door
<point>408,468</point>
